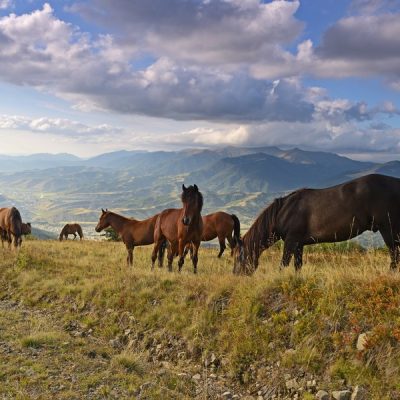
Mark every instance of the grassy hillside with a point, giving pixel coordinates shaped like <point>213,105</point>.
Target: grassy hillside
<point>76,323</point>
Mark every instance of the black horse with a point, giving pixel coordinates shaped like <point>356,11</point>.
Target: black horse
<point>309,216</point>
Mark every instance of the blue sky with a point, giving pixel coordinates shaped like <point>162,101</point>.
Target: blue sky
<point>92,76</point>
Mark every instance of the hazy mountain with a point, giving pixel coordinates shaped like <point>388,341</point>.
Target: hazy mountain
<point>238,180</point>
<point>37,161</point>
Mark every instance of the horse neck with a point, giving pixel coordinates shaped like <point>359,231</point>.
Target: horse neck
<point>117,222</point>
<point>262,234</point>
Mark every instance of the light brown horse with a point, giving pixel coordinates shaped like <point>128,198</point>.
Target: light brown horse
<point>26,229</point>
<point>180,226</point>
<point>11,226</point>
<point>132,232</point>
<point>223,226</point>
<point>71,229</point>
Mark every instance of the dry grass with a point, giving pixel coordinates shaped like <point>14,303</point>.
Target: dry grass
<point>306,322</point>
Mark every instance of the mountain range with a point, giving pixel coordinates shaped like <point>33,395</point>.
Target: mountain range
<point>51,190</point>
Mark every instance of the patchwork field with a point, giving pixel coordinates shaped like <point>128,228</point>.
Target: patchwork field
<point>76,323</point>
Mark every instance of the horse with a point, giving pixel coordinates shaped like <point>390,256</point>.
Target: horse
<point>132,232</point>
<point>71,229</point>
<point>180,226</point>
<point>222,225</point>
<point>11,226</point>
<point>333,214</point>
<point>26,229</point>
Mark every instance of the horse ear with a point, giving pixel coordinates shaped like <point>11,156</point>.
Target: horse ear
<point>102,211</point>
<point>106,209</point>
<point>196,188</point>
<point>183,187</point>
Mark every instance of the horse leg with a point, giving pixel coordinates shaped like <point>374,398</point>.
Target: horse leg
<point>222,246</point>
<point>195,258</point>
<point>181,254</point>
<point>288,249</point>
<point>298,257</point>
<point>9,240</point>
<point>156,250</point>
<point>392,242</point>
<point>74,236</point>
<point>231,243</point>
<point>129,259</point>
<point>161,253</point>
<point>172,250</point>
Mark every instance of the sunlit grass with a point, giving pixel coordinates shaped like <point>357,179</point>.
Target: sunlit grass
<point>307,321</point>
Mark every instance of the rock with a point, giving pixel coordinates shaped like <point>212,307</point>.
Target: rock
<point>341,394</point>
<point>362,341</point>
<point>196,377</point>
<point>322,395</point>
<point>359,393</point>
<point>312,384</point>
<point>292,384</point>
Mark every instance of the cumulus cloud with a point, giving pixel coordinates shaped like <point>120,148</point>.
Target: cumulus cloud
<point>217,32</point>
<point>42,51</point>
<point>55,126</point>
<point>373,6</point>
<point>4,4</point>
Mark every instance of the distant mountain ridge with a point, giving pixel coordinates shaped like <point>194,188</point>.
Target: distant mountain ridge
<point>54,189</point>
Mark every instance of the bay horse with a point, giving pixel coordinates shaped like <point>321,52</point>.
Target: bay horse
<point>132,231</point>
<point>71,229</point>
<point>11,226</point>
<point>223,226</point>
<point>180,226</point>
<point>334,214</point>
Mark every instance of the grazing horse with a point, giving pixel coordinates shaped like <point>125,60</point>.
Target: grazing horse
<point>334,214</point>
<point>222,225</point>
<point>71,229</point>
<point>180,226</point>
<point>11,226</point>
<point>26,229</point>
<point>132,232</point>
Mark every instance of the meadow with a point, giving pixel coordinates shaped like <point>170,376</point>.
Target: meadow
<point>76,322</point>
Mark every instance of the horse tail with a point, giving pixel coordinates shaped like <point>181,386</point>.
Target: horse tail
<point>161,252</point>
<point>80,232</point>
<point>236,230</point>
<point>16,224</point>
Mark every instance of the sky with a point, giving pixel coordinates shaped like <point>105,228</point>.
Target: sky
<point>94,76</point>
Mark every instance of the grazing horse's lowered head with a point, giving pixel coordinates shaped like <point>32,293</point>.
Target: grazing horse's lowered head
<point>26,228</point>
<point>103,220</point>
<point>192,201</point>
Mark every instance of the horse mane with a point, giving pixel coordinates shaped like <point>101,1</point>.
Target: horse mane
<point>262,232</point>
<point>189,193</point>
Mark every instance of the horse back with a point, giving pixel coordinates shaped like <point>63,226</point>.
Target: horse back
<point>342,211</point>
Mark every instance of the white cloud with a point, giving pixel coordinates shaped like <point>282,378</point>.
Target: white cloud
<point>4,4</point>
<point>55,126</point>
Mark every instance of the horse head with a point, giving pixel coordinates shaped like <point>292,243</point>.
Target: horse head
<point>192,201</point>
<point>103,221</point>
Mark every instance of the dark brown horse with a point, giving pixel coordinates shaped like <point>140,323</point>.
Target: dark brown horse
<point>11,226</point>
<point>71,229</point>
<point>223,226</point>
<point>180,226</point>
<point>334,214</point>
<point>132,232</point>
